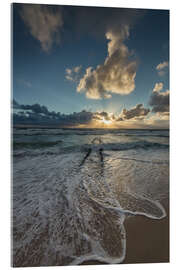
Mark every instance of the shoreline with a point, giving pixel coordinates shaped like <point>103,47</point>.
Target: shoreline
<point>147,240</point>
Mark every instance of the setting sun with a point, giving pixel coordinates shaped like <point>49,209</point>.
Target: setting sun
<point>106,122</point>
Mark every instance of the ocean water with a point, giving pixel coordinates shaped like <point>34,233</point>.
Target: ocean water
<point>73,189</point>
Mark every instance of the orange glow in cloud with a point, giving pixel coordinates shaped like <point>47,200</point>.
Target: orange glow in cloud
<point>106,122</point>
<point>111,121</point>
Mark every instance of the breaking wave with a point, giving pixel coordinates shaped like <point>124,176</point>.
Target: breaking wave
<point>58,147</point>
<point>71,208</point>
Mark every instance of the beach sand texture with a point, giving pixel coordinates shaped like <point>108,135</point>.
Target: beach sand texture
<point>101,202</point>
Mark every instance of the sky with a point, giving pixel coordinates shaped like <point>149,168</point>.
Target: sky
<point>90,67</point>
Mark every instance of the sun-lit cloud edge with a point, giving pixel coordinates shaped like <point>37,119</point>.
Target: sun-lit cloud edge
<point>162,68</point>
<point>137,117</point>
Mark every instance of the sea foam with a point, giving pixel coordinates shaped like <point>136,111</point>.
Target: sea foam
<point>66,211</point>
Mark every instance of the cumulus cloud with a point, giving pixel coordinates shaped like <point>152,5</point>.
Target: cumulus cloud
<point>162,68</point>
<point>77,69</point>
<point>73,74</point>
<point>136,112</point>
<point>43,23</point>
<point>34,109</point>
<point>162,65</point>
<point>158,87</point>
<point>103,115</point>
<point>68,71</point>
<point>136,117</point>
<point>69,78</point>
<point>160,101</point>
<point>116,75</point>
<point>39,114</point>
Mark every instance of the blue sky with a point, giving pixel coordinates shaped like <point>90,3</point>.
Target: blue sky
<point>50,40</point>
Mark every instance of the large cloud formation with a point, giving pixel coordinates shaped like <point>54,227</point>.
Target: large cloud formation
<point>43,23</point>
<point>37,114</point>
<point>116,75</point>
<point>136,117</point>
<point>40,115</point>
<point>159,100</point>
<point>137,112</point>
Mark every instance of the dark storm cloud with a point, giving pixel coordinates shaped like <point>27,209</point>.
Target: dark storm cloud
<point>160,102</point>
<point>159,99</point>
<point>37,114</point>
<point>137,111</point>
<point>35,108</point>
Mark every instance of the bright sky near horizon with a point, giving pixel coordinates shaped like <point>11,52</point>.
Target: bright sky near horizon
<point>90,67</point>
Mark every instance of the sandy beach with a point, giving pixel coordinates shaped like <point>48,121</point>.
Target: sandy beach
<point>58,197</point>
<point>147,240</point>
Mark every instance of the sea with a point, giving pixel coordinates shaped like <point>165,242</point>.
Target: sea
<point>72,190</point>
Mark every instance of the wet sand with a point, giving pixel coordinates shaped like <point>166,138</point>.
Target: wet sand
<point>147,240</point>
